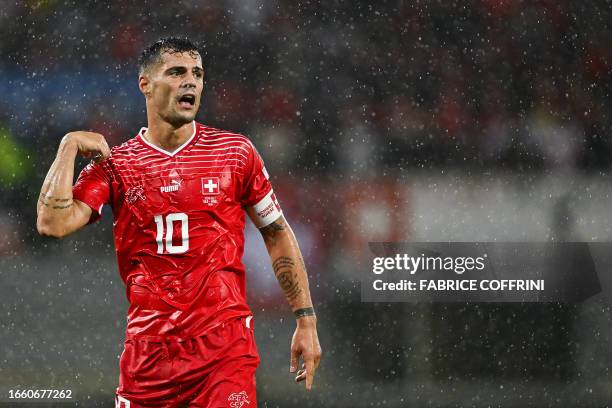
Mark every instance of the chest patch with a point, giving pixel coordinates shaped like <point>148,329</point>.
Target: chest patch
<point>210,190</point>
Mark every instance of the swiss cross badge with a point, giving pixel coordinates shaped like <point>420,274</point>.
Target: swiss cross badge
<point>210,190</point>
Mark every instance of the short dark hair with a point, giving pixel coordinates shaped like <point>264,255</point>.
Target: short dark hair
<point>152,54</point>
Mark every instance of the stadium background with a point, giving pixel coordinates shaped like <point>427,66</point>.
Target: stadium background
<point>378,121</point>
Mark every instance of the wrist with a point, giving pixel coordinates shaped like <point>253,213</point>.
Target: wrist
<point>305,313</point>
<point>306,321</point>
<point>68,143</point>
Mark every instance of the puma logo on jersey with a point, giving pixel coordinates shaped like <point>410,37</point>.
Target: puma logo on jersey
<point>174,187</point>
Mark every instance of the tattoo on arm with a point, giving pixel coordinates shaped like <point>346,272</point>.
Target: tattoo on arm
<point>55,203</point>
<point>283,262</point>
<point>306,311</point>
<point>269,232</point>
<point>287,278</point>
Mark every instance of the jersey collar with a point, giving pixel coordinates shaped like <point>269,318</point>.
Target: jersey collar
<point>143,130</point>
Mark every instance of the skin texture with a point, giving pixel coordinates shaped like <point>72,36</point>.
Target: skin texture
<point>170,124</point>
<point>178,74</point>
<point>291,274</point>
<point>58,214</point>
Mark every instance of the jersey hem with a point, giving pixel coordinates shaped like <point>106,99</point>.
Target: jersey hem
<point>96,213</point>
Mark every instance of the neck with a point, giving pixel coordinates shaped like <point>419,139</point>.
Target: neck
<point>167,136</point>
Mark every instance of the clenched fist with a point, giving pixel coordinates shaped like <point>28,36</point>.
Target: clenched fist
<point>90,145</point>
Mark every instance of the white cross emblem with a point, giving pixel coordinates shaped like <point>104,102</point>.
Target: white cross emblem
<point>210,186</point>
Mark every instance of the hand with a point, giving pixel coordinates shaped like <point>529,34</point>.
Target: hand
<point>305,343</point>
<point>89,144</point>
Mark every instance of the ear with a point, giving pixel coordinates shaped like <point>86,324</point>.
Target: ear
<point>144,84</point>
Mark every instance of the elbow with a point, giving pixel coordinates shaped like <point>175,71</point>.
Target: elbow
<point>281,239</point>
<point>47,229</point>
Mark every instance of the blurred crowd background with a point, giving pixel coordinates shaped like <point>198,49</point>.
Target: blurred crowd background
<point>378,121</point>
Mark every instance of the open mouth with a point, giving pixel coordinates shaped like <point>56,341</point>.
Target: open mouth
<point>187,101</point>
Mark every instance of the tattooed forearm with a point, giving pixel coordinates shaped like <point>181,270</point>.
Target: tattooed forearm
<point>302,262</point>
<point>290,285</point>
<point>55,203</point>
<point>305,311</point>
<point>287,263</point>
<point>287,277</point>
<point>283,262</point>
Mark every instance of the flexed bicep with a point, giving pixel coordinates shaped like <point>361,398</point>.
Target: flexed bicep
<point>63,208</point>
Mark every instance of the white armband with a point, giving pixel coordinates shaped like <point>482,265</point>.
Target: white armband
<point>266,211</point>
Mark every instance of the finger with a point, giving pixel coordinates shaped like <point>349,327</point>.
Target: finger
<point>293,362</point>
<point>310,370</point>
<point>301,373</point>
<point>101,146</point>
<point>105,151</point>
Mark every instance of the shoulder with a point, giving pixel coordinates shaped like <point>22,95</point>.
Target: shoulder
<point>211,135</point>
<point>130,146</point>
<point>124,153</point>
<point>128,151</point>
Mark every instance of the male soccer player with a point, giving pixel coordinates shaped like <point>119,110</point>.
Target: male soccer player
<point>179,191</point>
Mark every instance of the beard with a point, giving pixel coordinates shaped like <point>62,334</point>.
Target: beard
<point>179,118</point>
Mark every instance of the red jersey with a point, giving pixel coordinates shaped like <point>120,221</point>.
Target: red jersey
<point>179,222</point>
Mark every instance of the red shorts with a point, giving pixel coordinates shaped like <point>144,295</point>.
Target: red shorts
<point>214,370</point>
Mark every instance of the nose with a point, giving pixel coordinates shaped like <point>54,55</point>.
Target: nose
<point>189,81</point>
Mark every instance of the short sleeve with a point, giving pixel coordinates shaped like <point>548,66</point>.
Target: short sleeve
<point>93,188</point>
<point>258,197</point>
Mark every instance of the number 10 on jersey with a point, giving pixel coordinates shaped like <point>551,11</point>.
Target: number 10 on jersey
<point>164,235</point>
